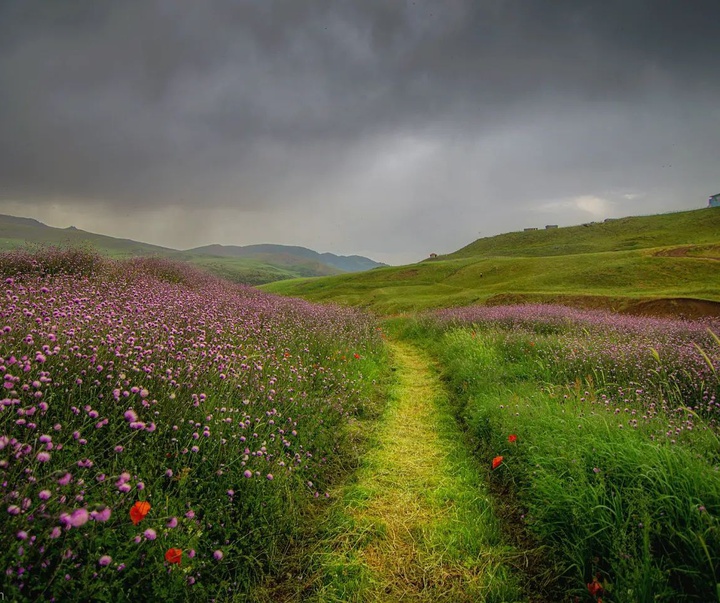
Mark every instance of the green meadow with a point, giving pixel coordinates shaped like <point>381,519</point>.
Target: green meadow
<point>618,265</point>
<point>595,424</point>
<point>504,437</point>
<point>599,438</point>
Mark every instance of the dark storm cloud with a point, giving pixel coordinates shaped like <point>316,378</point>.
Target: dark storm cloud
<point>254,104</point>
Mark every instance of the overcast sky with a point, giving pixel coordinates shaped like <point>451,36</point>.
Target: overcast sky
<point>376,127</point>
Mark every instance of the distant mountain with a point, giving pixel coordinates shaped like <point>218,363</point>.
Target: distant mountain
<point>12,220</point>
<point>252,264</point>
<point>343,263</point>
<point>16,232</point>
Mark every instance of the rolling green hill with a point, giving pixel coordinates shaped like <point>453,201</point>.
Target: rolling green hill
<point>17,232</point>
<point>253,265</point>
<point>626,264</point>
<point>697,227</point>
<point>290,255</point>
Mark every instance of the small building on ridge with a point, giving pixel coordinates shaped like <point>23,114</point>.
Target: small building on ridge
<point>714,200</point>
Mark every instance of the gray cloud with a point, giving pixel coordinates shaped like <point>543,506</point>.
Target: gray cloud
<point>392,128</point>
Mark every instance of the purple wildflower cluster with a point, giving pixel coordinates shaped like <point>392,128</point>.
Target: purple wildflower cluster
<point>148,380</point>
<point>638,368</point>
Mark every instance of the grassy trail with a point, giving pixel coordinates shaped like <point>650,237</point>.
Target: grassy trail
<point>416,524</point>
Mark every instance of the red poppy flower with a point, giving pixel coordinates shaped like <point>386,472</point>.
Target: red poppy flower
<point>512,438</point>
<point>496,462</point>
<point>357,356</point>
<point>139,510</point>
<point>595,587</point>
<point>173,556</point>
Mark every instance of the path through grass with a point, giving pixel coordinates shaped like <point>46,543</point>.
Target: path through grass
<point>416,524</point>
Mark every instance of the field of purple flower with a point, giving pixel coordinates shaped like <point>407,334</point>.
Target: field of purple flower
<point>655,365</point>
<point>161,429</point>
<point>601,435</point>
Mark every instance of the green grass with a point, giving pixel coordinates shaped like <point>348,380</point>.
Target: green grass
<point>627,505</point>
<point>415,523</point>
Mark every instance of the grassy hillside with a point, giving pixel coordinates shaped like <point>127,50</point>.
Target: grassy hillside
<point>280,255</point>
<point>676,262</point>
<point>257,271</point>
<point>16,232</point>
<point>697,227</point>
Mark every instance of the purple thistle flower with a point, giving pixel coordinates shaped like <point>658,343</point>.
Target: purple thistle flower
<point>79,517</point>
<point>105,560</point>
<point>130,415</point>
<point>218,555</point>
<point>150,534</point>
<point>172,523</point>
<point>43,457</point>
<point>102,515</point>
